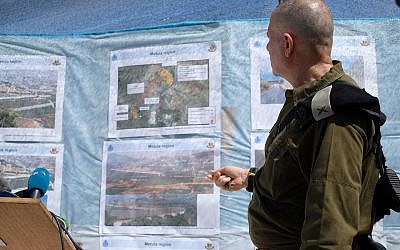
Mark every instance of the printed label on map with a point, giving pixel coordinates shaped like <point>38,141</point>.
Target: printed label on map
<point>192,73</point>
<point>198,116</point>
<point>135,88</point>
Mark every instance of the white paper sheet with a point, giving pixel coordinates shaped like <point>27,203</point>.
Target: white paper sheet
<point>357,54</point>
<point>159,187</point>
<point>257,149</point>
<point>17,161</point>
<point>267,90</point>
<point>165,243</point>
<point>32,92</point>
<point>161,85</point>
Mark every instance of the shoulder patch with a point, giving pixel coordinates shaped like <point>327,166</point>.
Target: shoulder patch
<point>321,105</point>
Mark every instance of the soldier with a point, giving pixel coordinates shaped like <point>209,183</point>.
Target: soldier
<point>316,187</point>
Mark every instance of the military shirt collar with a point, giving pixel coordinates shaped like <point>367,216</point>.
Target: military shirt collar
<point>312,87</point>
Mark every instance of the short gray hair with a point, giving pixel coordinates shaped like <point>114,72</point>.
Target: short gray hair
<point>310,19</point>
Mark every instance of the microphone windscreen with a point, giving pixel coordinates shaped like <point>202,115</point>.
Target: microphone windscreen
<point>39,180</point>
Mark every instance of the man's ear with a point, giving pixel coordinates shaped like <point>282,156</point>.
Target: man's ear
<point>288,44</point>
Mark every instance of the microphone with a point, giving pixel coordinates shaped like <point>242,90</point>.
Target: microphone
<point>38,183</point>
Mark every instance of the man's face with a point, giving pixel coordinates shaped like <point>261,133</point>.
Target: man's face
<point>274,46</point>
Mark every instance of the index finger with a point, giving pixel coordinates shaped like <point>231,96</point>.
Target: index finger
<point>214,175</point>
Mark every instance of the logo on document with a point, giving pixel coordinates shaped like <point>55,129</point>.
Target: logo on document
<point>364,43</point>
<point>56,62</point>
<point>209,246</point>
<point>212,47</point>
<point>54,151</point>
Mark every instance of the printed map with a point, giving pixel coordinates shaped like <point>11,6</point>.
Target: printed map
<point>157,96</point>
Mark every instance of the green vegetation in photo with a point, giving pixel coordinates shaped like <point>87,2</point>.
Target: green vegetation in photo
<point>7,119</point>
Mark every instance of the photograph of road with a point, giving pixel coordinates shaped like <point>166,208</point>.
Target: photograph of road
<point>176,172</point>
<point>18,160</point>
<point>29,96</point>
<point>159,185</point>
<point>16,169</point>
<point>151,210</point>
<point>154,183</point>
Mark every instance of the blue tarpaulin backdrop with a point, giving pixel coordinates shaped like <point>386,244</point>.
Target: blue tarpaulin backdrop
<point>86,31</point>
<point>72,16</point>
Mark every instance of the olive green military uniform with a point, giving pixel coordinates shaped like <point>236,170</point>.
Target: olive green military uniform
<point>315,190</point>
